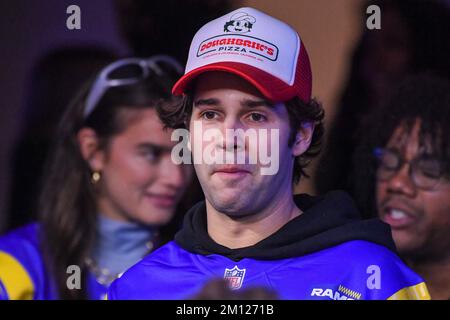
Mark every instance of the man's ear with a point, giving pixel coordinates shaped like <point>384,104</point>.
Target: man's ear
<point>303,139</point>
<point>88,142</point>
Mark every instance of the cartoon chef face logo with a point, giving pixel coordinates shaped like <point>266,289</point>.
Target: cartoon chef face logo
<point>239,22</point>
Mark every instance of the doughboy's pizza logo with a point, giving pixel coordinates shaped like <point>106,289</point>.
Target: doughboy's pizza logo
<point>239,22</point>
<point>236,43</point>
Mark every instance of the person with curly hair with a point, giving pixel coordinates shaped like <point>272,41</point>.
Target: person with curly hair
<point>403,175</point>
<point>251,230</point>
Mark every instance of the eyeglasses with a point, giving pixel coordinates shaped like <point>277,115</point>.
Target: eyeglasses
<point>425,170</point>
<point>127,72</point>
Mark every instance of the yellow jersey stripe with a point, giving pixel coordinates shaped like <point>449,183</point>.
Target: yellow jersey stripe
<point>15,278</point>
<point>350,293</point>
<point>417,292</point>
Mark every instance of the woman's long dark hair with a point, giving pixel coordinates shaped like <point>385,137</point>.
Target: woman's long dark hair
<point>67,203</point>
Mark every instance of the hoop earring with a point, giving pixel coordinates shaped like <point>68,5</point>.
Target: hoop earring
<point>95,177</point>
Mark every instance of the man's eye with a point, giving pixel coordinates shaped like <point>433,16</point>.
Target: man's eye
<point>209,115</point>
<point>257,117</point>
<point>430,168</point>
<point>389,160</point>
<point>151,154</point>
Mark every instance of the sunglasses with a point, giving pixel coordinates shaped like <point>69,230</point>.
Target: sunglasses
<point>127,72</point>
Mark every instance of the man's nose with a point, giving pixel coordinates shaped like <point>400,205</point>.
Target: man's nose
<point>402,182</point>
<point>232,130</point>
<point>233,123</point>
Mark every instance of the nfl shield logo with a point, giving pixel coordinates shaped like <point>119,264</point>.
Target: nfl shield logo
<point>234,277</point>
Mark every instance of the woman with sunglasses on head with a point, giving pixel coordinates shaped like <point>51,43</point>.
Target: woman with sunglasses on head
<point>109,186</point>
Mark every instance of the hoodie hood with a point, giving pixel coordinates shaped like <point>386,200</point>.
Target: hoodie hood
<point>326,221</point>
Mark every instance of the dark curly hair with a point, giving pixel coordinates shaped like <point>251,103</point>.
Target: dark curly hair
<point>178,116</point>
<point>426,26</point>
<point>423,97</point>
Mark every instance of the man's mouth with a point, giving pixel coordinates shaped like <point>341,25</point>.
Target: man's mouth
<point>397,217</point>
<point>232,172</point>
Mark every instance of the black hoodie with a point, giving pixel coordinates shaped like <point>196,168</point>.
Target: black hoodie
<point>326,222</point>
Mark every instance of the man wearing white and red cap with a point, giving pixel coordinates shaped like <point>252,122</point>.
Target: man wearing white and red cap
<point>249,72</point>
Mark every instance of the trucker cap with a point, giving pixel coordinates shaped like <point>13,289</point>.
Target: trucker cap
<point>261,49</point>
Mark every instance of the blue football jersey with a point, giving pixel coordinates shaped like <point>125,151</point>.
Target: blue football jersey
<point>23,275</point>
<point>356,270</point>
<point>327,252</point>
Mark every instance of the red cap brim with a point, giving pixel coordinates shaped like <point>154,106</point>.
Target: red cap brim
<point>270,87</point>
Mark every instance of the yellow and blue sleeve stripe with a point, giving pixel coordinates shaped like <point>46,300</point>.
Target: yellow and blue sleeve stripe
<point>14,279</point>
<point>416,292</point>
